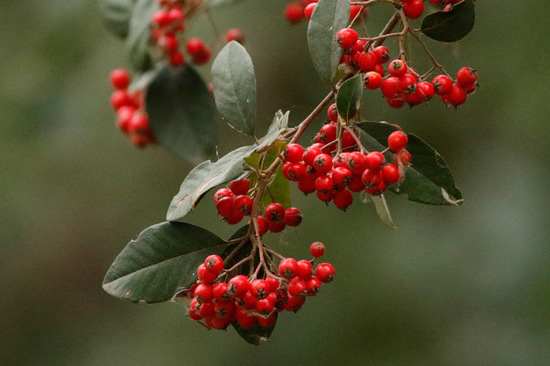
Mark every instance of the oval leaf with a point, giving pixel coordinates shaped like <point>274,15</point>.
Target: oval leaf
<point>139,34</point>
<point>116,15</point>
<point>329,16</point>
<point>349,97</point>
<point>450,26</point>
<point>161,262</point>
<point>428,180</point>
<point>204,177</point>
<point>181,113</point>
<point>235,87</point>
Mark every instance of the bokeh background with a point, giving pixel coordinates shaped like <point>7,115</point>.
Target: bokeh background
<point>466,285</point>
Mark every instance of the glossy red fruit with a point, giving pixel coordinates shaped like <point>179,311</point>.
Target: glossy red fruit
<point>238,285</point>
<point>317,249</point>
<point>382,54</point>
<point>341,177</point>
<point>424,91</point>
<point>214,264</point>
<point>343,199</point>
<point>304,269</point>
<point>402,157</point>
<point>308,10</point>
<point>322,163</point>
<point>222,193</point>
<point>244,318</point>
<point>203,293</point>
<point>311,153</point>
<point>275,212</point>
<point>325,272</point>
<point>324,184</point>
<point>347,37</point>
<point>194,46</point>
<point>293,216</point>
<point>372,80</point>
<point>293,153</point>
<point>240,186</point>
<point>390,173</point>
<point>263,225</point>
<point>288,268</point>
<point>243,203</point>
<point>466,76</point>
<point>277,227</point>
<point>391,86</point>
<point>397,140</point>
<point>367,61</point>
<point>442,84</point>
<point>225,206</point>
<point>297,287</point>
<point>374,160</point>
<point>259,288</point>
<point>457,96</point>
<point>356,162</point>
<point>120,79</point>
<point>397,68</point>
<point>313,286</point>
<point>414,9</point>
<point>294,13</point>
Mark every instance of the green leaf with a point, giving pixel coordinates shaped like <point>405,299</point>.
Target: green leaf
<point>235,87</point>
<point>428,180</point>
<point>255,334</point>
<point>161,262</point>
<point>116,15</point>
<point>329,16</point>
<point>181,112</point>
<point>383,211</point>
<point>349,97</point>
<point>278,126</point>
<point>450,26</point>
<point>139,34</point>
<point>204,177</point>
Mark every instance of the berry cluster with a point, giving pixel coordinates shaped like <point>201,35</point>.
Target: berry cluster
<point>234,203</point>
<point>167,22</point>
<point>334,176</point>
<point>403,84</point>
<point>250,300</point>
<point>131,118</point>
<point>297,11</point>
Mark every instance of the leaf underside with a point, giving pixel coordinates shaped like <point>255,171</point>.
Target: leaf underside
<point>450,26</point>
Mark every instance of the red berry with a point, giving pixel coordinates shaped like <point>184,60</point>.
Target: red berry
<point>466,76</point>
<point>273,282</point>
<point>268,321</point>
<point>120,79</point>
<point>397,68</point>
<point>161,18</point>
<point>390,173</point>
<point>244,319</point>
<point>294,171</point>
<point>194,46</point>
<point>263,225</point>
<point>332,112</point>
<point>374,160</point>
<point>265,306</point>
<point>391,86</point>
<point>259,289</point>
<point>120,98</point>
<point>322,163</point>
<point>307,186</point>
<point>297,287</point>
<point>377,190</point>
<point>214,263</point>
<point>277,227</point>
<point>240,186</point>
<point>424,91</point>
<point>203,293</point>
<point>294,13</point>
<point>356,162</point>
<point>220,293</point>
<point>442,84</point>
<point>397,140</point>
<point>311,153</point>
<point>288,268</point>
<point>225,206</point>
<point>325,272</point>
<point>308,10</point>
<point>235,217</point>
<point>346,37</point>
<point>293,153</point>
<point>234,34</point>
<point>382,54</point>
<point>402,157</point>
<point>275,212</point>
<point>457,95</point>
<point>304,269</point>
<point>414,9</point>
<point>176,58</point>
<point>367,61</point>
<point>222,193</point>
<point>202,57</point>
<point>294,303</point>
<point>341,177</point>
<point>293,216</point>
<point>207,310</point>
<point>371,178</point>
<point>243,203</point>
<point>343,199</point>
<point>372,80</point>
<point>238,285</point>
<point>324,184</point>
<point>327,133</point>
<point>313,286</point>
<point>317,249</point>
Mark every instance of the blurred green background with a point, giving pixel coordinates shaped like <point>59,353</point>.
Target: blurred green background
<point>466,285</point>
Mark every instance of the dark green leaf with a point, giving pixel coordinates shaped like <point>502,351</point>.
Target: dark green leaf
<point>428,179</point>
<point>181,113</point>
<point>235,87</point>
<point>116,15</point>
<point>255,334</point>
<point>349,97</point>
<point>204,177</point>
<point>329,16</point>
<point>139,34</point>
<point>161,262</point>
<point>450,26</point>
<point>278,126</point>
